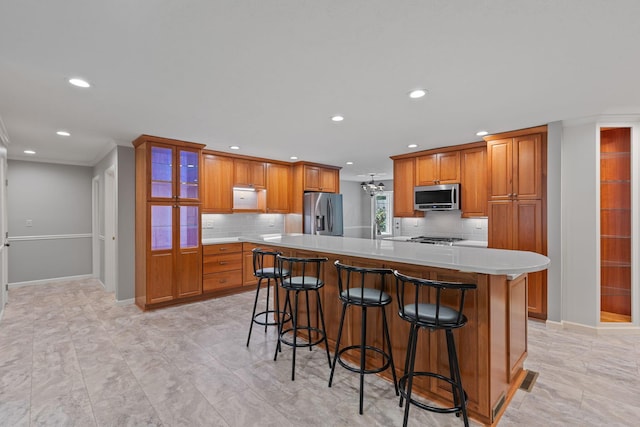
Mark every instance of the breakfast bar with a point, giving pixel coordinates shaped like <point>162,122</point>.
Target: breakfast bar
<point>492,346</point>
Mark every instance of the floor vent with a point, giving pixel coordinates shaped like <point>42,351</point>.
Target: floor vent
<point>529,381</point>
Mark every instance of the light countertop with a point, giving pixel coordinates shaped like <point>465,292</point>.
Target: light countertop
<point>461,258</point>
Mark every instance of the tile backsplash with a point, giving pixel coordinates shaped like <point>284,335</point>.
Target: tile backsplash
<point>231,225</point>
<point>445,224</point>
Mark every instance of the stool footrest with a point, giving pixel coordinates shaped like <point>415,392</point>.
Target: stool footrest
<point>357,369</point>
<point>298,343</point>
<point>402,382</point>
<point>266,314</point>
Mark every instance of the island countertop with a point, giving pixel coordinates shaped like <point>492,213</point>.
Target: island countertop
<point>466,259</point>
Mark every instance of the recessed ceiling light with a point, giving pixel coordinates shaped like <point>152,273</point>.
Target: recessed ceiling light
<point>79,82</point>
<point>349,163</point>
<point>412,145</point>
<point>293,158</point>
<point>234,147</point>
<point>63,133</point>
<point>337,118</point>
<point>417,93</point>
<point>29,152</point>
<point>482,133</point>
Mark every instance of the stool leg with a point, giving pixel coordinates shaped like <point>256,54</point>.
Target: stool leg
<point>407,359</point>
<point>266,310</point>
<point>306,294</point>
<point>363,338</point>
<point>295,337</point>
<point>253,313</point>
<point>324,328</point>
<point>287,301</point>
<point>385,326</point>
<point>335,356</point>
<point>455,374</point>
<point>413,338</point>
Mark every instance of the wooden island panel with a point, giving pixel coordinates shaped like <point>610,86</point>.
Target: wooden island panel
<point>491,347</point>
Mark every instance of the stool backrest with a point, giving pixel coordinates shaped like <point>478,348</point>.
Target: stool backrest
<point>352,282</point>
<point>415,303</point>
<point>264,258</point>
<point>302,271</point>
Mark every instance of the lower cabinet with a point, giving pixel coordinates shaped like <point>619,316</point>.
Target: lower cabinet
<point>221,267</point>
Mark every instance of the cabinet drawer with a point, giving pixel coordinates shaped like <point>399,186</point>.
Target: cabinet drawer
<point>218,263</point>
<point>223,280</point>
<point>222,248</point>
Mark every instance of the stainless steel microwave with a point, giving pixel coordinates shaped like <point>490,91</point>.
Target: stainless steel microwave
<point>443,197</point>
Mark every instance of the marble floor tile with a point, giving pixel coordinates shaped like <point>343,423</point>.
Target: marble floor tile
<point>70,356</point>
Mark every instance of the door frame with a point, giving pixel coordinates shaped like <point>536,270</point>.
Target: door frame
<point>110,229</point>
<point>95,226</point>
<point>4,264</point>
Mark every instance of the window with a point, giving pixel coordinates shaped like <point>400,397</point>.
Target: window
<point>383,214</point>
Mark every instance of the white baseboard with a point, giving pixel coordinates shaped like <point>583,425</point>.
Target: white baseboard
<point>125,302</point>
<point>53,280</point>
<point>600,330</point>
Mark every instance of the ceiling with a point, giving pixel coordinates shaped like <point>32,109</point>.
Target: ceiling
<point>266,75</point>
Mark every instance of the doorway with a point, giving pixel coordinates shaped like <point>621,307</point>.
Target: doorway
<point>110,227</point>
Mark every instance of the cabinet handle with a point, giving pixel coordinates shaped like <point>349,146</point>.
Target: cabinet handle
<point>222,249</point>
<point>515,195</point>
<point>223,263</point>
<point>223,281</point>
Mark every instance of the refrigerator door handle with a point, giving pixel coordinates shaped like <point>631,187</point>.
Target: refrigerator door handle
<point>330,214</point>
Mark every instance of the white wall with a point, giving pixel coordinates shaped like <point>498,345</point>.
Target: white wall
<point>579,224</point>
<point>554,226</point>
<point>57,200</point>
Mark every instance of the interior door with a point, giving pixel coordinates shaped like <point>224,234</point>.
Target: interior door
<point>4,273</point>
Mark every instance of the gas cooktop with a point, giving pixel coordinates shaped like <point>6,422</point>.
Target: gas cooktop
<point>444,241</point>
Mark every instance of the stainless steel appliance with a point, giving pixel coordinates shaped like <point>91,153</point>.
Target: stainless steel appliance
<point>442,241</point>
<point>323,214</point>
<point>443,197</point>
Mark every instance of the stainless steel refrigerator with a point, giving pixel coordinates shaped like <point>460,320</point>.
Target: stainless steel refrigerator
<point>323,214</point>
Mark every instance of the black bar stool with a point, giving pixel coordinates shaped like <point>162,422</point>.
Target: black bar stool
<point>265,267</point>
<point>364,288</point>
<point>304,277</point>
<point>433,316</point>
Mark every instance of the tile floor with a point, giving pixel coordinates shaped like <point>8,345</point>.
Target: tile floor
<point>69,356</point>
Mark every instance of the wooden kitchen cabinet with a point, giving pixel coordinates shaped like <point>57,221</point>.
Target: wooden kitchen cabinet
<point>323,179</point>
<point>249,173</point>
<point>473,182</point>
<point>515,167</point>
<point>217,184</point>
<point>403,184</point>
<point>222,266</point>
<point>516,164</point>
<point>278,188</point>
<point>438,168</point>
<point>168,254</point>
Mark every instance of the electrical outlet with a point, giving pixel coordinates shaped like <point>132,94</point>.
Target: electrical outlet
<point>396,223</point>
<point>29,223</point>
<point>209,224</point>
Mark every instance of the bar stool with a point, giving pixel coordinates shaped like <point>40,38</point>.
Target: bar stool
<point>304,277</point>
<point>434,316</point>
<point>364,288</point>
<point>265,267</point>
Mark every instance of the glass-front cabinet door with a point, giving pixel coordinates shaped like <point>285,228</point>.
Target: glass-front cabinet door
<point>170,182</point>
<point>189,175</point>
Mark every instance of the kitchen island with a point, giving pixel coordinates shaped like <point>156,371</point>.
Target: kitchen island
<point>492,347</point>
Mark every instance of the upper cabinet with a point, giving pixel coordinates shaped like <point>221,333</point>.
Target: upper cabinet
<point>438,168</point>
<point>318,178</point>
<point>403,183</point>
<point>278,188</point>
<point>217,183</point>
<point>249,173</point>
<point>172,170</point>
<point>473,181</point>
<point>515,167</point>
